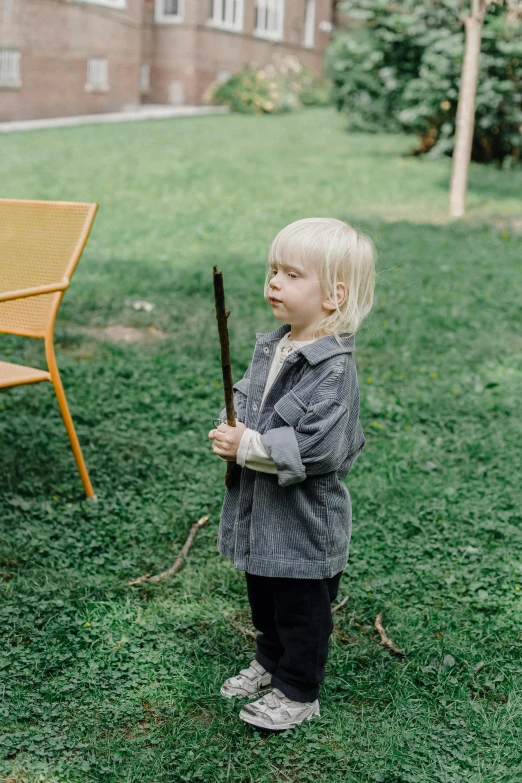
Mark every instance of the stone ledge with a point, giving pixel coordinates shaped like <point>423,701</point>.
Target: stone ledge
<point>145,112</point>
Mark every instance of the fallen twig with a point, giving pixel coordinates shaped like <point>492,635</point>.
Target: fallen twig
<point>179,561</point>
<point>385,640</point>
<point>240,627</point>
<point>335,608</point>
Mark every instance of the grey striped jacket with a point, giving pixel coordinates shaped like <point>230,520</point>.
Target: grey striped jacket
<point>296,523</point>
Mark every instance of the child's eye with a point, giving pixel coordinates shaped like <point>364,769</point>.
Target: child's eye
<point>292,274</point>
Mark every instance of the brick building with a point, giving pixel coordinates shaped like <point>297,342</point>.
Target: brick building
<point>65,57</point>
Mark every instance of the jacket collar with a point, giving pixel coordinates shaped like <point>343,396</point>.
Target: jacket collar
<point>322,348</point>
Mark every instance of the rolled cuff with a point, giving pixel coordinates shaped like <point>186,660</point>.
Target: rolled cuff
<point>242,449</point>
<point>281,444</point>
<point>257,457</point>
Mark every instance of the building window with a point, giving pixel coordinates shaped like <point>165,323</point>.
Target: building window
<point>168,10</point>
<point>97,74</point>
<point>108,3</point>
<point>270,19</point>
<point>145,77</point>
<point>227,14</point>
<point>10,68</point>
<point>309,29</point>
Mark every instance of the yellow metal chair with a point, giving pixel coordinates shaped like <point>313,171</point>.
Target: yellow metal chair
<point>40,245</point>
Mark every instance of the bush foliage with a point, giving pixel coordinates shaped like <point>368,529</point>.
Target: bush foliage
<point>399,69</point>
<point>282,85</point>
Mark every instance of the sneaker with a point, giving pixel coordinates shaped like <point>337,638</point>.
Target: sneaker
<point>277,712</point>
<point>248,682</point>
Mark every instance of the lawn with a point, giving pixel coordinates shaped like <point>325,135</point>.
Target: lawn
<point>102,681</point>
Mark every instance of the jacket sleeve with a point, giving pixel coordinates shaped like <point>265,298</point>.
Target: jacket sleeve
<point>318,440</point>
<point>240,397</point>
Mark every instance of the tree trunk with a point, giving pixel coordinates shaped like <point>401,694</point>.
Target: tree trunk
<point>466,108</point>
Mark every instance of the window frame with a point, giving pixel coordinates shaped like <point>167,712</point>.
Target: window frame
<point>309,24</point>
<point>219,24</point>
<point>97,86</point>
<point>118,5</point>
<point>144,78</point>
<point>14,81</point>
<point>271,35</point>
<point>160,17</point>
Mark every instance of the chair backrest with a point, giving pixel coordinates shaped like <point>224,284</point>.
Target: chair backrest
<point>40,244</point>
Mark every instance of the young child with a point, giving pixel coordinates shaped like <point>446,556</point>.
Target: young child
<point>286,521</point>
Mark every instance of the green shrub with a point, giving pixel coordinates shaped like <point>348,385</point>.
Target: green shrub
<point>245,92</point>
<point>281,86</point>
<point>399,69</point>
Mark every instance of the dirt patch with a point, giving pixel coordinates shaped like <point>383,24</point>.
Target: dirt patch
<point>513,224</point>
<point>119,333</point>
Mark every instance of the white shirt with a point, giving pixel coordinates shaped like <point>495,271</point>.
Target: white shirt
<point>251,453</point>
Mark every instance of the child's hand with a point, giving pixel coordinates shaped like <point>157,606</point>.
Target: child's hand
<point>225,440</point>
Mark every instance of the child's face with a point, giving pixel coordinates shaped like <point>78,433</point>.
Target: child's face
<point>299,294</point>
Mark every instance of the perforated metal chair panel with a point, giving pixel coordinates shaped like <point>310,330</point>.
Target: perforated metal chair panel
<point>16,374</point>
<point>38,244</point>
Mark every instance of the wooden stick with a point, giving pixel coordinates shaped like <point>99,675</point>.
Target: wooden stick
<point>222,316</point>
<point>335,608</point>
<point>385,640</point>
<point>179,560</point>
<point>240,627</point>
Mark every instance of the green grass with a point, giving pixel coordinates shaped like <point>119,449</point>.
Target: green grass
<point>104,682</point>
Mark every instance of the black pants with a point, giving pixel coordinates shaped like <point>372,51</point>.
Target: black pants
<point>294,617</point>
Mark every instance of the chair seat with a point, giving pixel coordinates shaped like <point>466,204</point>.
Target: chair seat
<point>16,374</point>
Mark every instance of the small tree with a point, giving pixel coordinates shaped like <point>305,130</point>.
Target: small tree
<point>466,106</point>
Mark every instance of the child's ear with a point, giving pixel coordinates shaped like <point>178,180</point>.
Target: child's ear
<point>341,293</point>
<point>341,297</point>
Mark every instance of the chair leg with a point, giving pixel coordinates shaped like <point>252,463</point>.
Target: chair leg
<point>71,432</point>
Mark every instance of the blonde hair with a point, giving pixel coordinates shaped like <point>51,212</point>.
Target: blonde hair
<point>341,254</point>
